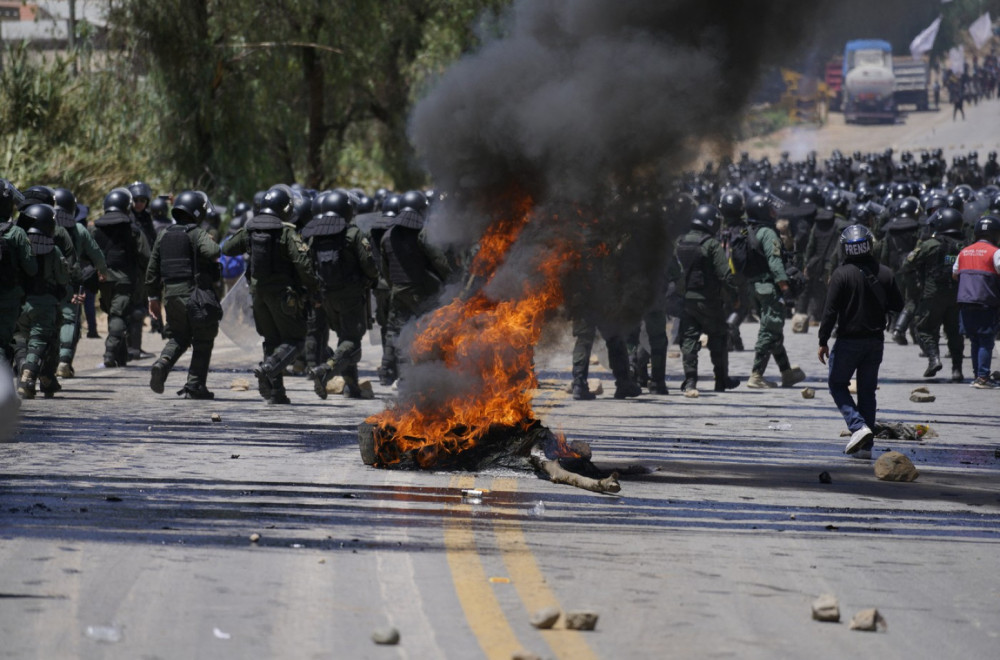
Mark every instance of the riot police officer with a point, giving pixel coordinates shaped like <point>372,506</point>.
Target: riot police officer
<point>282,281</point>
<point>127,255</point>
<point>43,294</point>
<point>89,266</point>
<point>770,283</point>
<point>183,260</point>
<point>706,275</point>
<point>900,237</point>
<point>415,271</point>
<point>931,262</point>
<point>17,267</point>
<point>343,261</point>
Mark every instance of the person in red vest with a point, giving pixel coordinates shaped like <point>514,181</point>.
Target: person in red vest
<point>977,270</point>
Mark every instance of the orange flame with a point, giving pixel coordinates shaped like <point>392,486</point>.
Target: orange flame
<point>490,340</point>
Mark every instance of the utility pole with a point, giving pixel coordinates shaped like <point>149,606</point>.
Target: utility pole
<point>71,32</point>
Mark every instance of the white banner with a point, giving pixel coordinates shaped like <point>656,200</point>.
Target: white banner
<point>981,30</point>
<point>956,60</point>
<point>924,41</point>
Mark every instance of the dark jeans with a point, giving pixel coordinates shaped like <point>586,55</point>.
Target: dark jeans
<point>848,356</point>
<point>979,324</point>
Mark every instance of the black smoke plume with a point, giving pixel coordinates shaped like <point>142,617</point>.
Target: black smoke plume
<point>591,107</point>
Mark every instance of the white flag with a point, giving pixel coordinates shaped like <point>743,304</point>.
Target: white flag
<point>981,30</point>
<point>924,41</point>
<point>956,60</point>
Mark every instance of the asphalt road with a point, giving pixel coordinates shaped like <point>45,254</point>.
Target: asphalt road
<point>126,518</point>
<point>128,514</point>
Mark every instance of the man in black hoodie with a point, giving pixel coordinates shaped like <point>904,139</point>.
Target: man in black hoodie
<point>860,295</point>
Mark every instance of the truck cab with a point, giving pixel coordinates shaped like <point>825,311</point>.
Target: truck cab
<point>869,81</point>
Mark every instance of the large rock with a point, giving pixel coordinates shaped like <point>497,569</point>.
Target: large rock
<point>893,466</point>
<point>580,620</point>
<point>826,608</point>
<point>545,618</point>
<point>385,635</point>
<point>868,621</point>
<point>808,393</point>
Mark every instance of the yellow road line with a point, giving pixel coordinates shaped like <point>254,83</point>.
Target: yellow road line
<point>530,583</point>
<point>482,609</point>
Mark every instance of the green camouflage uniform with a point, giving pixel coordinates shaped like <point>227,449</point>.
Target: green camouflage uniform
<point>179,330</point>
<point>44,293</point>
<point>707,280</point>
<point>17,265</point>
<point>279,303</point>
<point>771,306</point>
<point>344,303</point>
<point>931,263</point>
<point>85,249</point>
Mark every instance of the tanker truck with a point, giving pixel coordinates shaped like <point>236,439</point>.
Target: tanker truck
<point>869,82</point>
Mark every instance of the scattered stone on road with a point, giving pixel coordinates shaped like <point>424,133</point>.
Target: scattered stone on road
<point>824,478</point>
<point>525,655</point>
<point>240,385</point>
<point>868,620</point>
<point>691,394</point>
<point>216,417</point>
<point>385,635</point>
<point>922,395</point>
<point>254,537</point>
<point>826,608</point>
<point>367,392</point>
<point>335,385</point>
<point>580,620</point>
<point>893,466</point>
<point>808,393</point>
<point>545,618</point>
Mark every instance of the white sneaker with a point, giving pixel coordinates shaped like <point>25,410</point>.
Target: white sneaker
<point>863,436</point>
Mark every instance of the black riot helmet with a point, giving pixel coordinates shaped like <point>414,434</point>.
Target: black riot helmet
<point>38,219</point>
<point>964,191</point>
<point>337,202</point>
<point>995,203</point>
<point>810,194</point>
<point>66,200</point>
<point>947,221</point>
<point>189,207</point>
<point>39,195</point>
<point>414,200</point>
<point>856,242</point>
<point>707,218</point>
<point>119,200</point>
<point>862,214</point>
<point>760,210</point>
<point>838,202</point>
<point>365,204</point>
<point>732,206</point>
<point>140,190</point>
<point>909,207</point>
<point>391,205</point>
<point>158,208</point>
<point>955,201</point>
<point>935,202</point>
<point>277,202</point>
<point>988,229</point>
<point>241,208</point>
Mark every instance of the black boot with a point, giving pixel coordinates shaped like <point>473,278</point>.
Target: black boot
<point>899,329</point>
<point>933,361</point>
<point>658,370</point>
<point>278,396</point>
<point>726,383</point>
<point>196,392</point>
<point>158,375</point>
<point>690,382</point>
<point>49,386</point>
<point>581,391</point>
<point>627,388</point>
